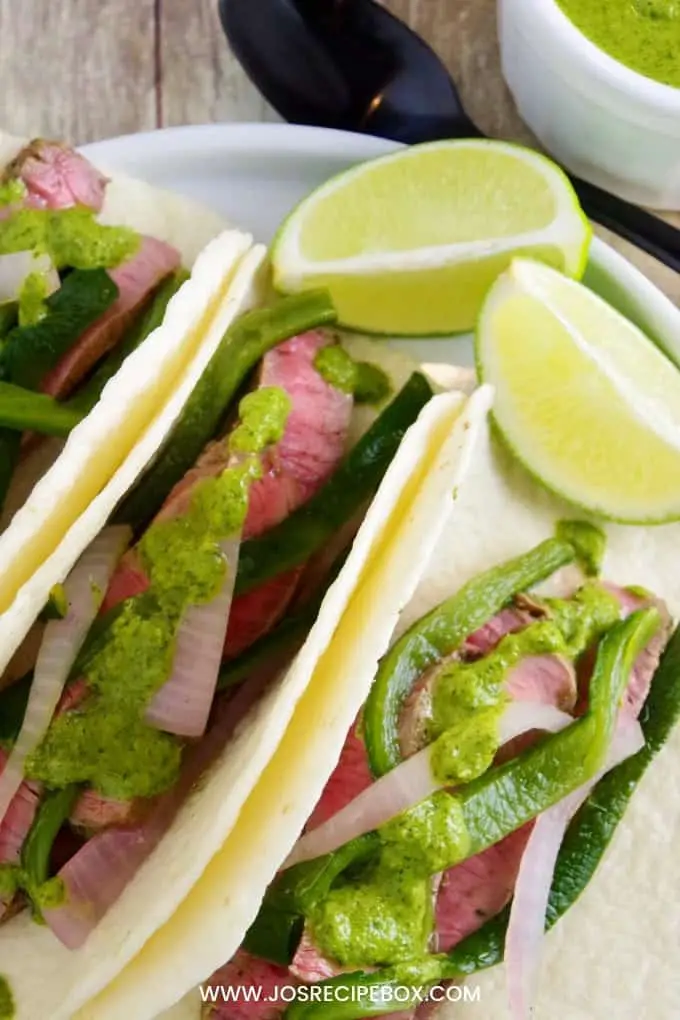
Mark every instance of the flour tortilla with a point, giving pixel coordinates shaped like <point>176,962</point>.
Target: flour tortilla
<point>300,730</point>
<point>430,455</point>
<point>616,950</point>
<point>131,398</point>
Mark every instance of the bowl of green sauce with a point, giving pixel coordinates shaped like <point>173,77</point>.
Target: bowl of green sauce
<point>598,81</point>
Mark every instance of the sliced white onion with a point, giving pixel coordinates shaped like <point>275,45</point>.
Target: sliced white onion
<point>16,267</point>
<point>62,640</point>
<point>95,877</point>
<point>530,902</point>
<point>182,705</point>
<point>523,716</point>
<point>410,783</point>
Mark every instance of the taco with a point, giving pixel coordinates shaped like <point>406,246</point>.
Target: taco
<point>88,266</point>
<point>430,811</point>
<point>142,724</point>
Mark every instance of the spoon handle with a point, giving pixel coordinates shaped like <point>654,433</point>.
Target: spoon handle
<point>646,231</point>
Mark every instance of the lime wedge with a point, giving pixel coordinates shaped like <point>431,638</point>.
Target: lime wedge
<point>583,398</point>
<point>409,244</point>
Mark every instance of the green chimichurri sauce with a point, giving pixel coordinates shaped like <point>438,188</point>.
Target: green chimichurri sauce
<point>379,917</point>
<point>374,920</point>
<point>642,34</point>
<point>33,299</point>
<point>383,915</point>
<point>105,741</point>
<point>364,380</point>
<point>588,541</point>
<point>50,895</point>
<point>71,237</point>
<point>9,881</point>
<point>468,748</point>
<point>12,192</point>
<point>463,688</point>
<point>7,1007</point>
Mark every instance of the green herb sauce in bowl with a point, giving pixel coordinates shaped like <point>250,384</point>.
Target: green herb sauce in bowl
<point>642,34</point>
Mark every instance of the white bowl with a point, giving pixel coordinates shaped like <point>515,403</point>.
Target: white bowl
<point>600,119</point>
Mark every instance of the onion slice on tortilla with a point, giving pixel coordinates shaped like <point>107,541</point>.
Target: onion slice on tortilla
<point>62,640</point>
<point>530,901</point>
<point>15,267</point>
<point>409,784</point>
<point>95,877</point>
<point>182,705</point>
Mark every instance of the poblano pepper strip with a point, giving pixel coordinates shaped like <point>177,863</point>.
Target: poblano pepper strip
<point>505,798</point>
<point>485,947</point>
<point>442,631</point>
<point>29,352</point>
<point>372,993</point>
<point>53,811</point>
<point>22,409</point>
<point>593,828</point>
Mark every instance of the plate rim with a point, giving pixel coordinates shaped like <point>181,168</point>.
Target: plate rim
<point>646,303</point>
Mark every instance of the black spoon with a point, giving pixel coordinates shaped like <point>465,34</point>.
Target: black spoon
<point>351,64</point>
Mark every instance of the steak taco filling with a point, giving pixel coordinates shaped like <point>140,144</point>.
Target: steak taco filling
<point>186,607</point>
<point>489,726</point>
<point>76,297</point>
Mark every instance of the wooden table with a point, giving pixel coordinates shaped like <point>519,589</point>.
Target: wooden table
<point>88,69</point>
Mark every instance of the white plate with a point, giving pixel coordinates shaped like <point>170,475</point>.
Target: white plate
<point>255,173</point>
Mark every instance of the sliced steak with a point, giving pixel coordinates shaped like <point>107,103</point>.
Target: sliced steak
<point>93,812</point>
<point>350,777</point>
<point>307,454</point>
<point>548,679</point>
<point>243,988</point>
<point>478,889</point>
<point>310,965</point>
<point>136,279</point>
<point>56,177</point>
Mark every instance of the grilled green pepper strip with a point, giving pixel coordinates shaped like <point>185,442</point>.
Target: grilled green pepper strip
<point>372,994</point>
<point>440,633</point>
<point>485,947</point>
<point>593,828</point>
<point>88,395</point>
<point>29,352</point>
<point>22,409</point>
<point>272,935</point>
<point>242,346</point>
<point>355,481</point>
<point>9,316</point>
<point>505,798</point>
<point>13,701</point>
<point>54,809</point>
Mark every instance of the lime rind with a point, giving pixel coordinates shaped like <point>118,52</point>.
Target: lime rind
<point>643,412</point>
<point>563,241</point>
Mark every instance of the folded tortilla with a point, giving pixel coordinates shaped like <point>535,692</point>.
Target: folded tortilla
<point>412,505</point>
<point>616,948</point>
<point>130,400</point>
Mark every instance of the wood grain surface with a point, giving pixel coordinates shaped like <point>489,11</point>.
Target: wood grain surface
<point>89,69</point>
